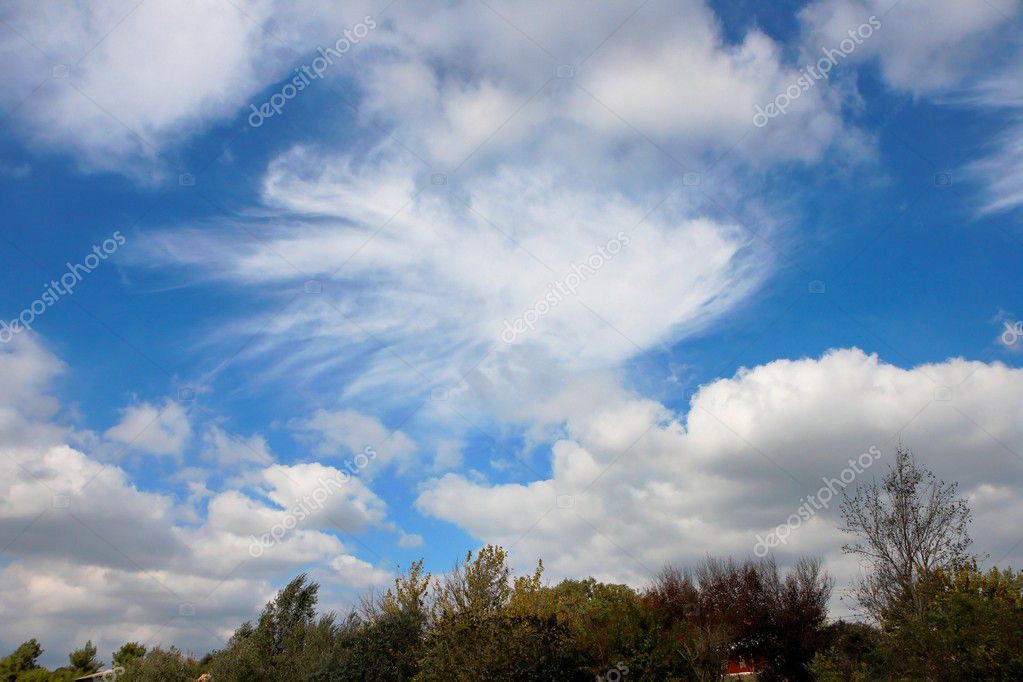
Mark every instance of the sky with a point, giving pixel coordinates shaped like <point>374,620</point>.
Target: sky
<point>330,287</point>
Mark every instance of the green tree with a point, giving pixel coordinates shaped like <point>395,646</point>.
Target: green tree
<point>281,643</point>
<point>128,652</point>
<point>82,662</point>
<point>972,629</point>
<point>162,665</point>
<point>856,652</point>
<point>477,633</point>
<point>20,660</point>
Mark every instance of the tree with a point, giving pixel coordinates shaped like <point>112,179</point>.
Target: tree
<point>747,609</point>
<point>799,609</point>
<point>856,652</point>
<point>165,665</point>
<point>481,631</point>
<point>83,661</point>
<point>277,645</point>
<point>907,527</point>
<point>127,653</point>
<point>20,660</point>
<point>384,641</point>
<point>479,586</point>
<point>971,631</point>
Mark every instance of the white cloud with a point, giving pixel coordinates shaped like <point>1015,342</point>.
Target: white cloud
<point>1001,171</point>
<point>955,53</point>
<point>63,604</point>
<point>353,507</point>
<point>538,172</point>
<point>25,408</point>
<point>410,540</point>
<point>229,451</point>
<point>114,82</point>
<point>153,429</point>
<point>88,555</point>
<point>448,455</point>
<point>924,46</point>
<point>634,486</point>
<point>424,300</point>
<point>339,432</point>
<point>358,573</point>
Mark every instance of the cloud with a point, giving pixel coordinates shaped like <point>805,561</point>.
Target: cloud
<point>448,455</point>
<point>334,433</point>
<point>352,506</point>
<point>410,540</point>
<point>28,369</point>
<point>593,81</point>
<point>358,573</point>
<point>634,486</point>
<point>229,451</point>
<point>157,430</point>
<point>955,44</point>
<point>1000,172</point>
<point>415,312</point>
<point>966,56</point>
<point>88,554</point>
<point>113,83</point>
<point>467,194</point>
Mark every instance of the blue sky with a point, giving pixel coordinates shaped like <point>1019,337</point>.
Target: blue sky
<point>759,302</point>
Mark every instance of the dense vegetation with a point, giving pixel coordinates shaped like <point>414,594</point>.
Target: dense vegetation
<point>931,614</point>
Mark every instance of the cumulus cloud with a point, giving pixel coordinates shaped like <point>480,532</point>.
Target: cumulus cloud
<point>353,571</point>
<point>410,540</point>
<point>955,44</point>
<point>634,486</point>
<point>153,429</point>
<point>334,433</point>
<point>88,554</point>
<point>228,450</point>
<point>118,83</point>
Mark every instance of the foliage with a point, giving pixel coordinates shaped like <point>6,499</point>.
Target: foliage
<point>478,622</point>
<point>21,660</point>
<point>726,609</point>
<point>286,641</point>
<point>128,652</point>
<point>972,629</point>
<point>165,665</point>
<point>481,629</point>
<point>855,653</point>
<point>909,526</point>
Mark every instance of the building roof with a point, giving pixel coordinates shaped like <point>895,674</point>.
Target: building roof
<point>101,675</point>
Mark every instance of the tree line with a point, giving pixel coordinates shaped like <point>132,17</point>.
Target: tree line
<point>926,612</point>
